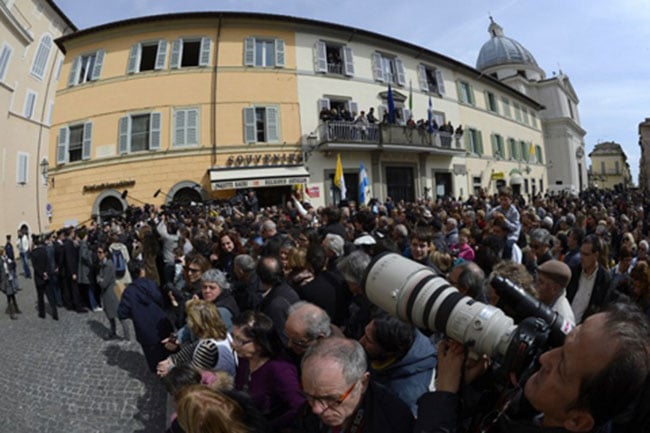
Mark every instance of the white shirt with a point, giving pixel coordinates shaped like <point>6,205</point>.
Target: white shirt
<point>563,308</point>
<point>583,295</point>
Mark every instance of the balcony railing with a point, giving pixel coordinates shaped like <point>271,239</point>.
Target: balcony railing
<point>341,131</point>
<point>335,68</point>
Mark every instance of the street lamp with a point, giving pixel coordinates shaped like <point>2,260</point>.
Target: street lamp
<point>45,165</point>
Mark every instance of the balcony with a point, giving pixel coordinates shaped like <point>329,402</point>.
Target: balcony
<point>352,136</point>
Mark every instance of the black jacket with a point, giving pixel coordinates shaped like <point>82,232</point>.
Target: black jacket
<point>600,296</point>
<point>329,291</point>
<point>276,305</point>
<point>383,412</point>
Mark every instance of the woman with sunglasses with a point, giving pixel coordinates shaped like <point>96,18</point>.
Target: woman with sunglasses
<point>270,380</point>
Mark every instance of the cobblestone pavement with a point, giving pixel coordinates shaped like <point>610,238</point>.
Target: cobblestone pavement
<point>62,377</point>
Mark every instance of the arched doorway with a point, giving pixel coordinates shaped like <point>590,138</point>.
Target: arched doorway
<point>108,204</point>
<point>185,192</point>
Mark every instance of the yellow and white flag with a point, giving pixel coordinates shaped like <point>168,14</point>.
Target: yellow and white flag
<point>339,179</point>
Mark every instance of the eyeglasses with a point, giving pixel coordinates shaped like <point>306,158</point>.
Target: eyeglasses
<point>100,252</point>
<point>192,270</point>
<point>328,401</point>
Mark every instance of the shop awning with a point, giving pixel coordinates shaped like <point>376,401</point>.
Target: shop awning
<point>257,177</point>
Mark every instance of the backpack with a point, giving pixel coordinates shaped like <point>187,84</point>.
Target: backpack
<point>119,263</point>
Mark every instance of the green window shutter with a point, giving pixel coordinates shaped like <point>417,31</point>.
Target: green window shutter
<point>154,131</point>
<point>133,65</point>
<point>161,55</point>
<point>204,57</point>
<point>249,52</point>
<point>468,141</point>
<point>479,136</point>
<point>177,51</point>
<point>320,56</point>
<point>459,91</point>
<point>250,128</point>
<point>470,91</point>
<point>279,53</point>
<point>124,134</point>
<point>62,146</point>
<point>495,150</point>
<point>87,140</point>
<point>540,156</point>
<point>272,124</point>
<point>99,62</point>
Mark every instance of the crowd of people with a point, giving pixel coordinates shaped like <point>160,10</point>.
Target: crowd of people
<point>257,319</point>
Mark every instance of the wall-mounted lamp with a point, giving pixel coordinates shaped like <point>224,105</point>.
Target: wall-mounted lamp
<point>45,166</point>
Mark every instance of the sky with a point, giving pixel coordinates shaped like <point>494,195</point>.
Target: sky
<point>602,45</point>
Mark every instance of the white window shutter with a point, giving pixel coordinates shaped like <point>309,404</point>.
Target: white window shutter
<point>378,67</point>
<point>74,71</point>
<point>62,146</point>
<point>177,48</point>
<point>323,103</point>
<point>99,62</point>
<point>422,78</point>
<point>4,61</point>
<point>124,135</point>
<point>87,140</point>
<point>204,58</point>
<point>133,65</point>
<point>161,55</point>
<point>279,53</point>
<point>30,102</point>
<point>404,114</point>
<point>348,62</point>
<point>249,52</point>
<point>320,56</point>
<point>179,127</point>
<point>401,77</point>
<point>22,168</point>
<point>41,57</point>
<point>440,82</point>
<point>154,131</point>
<point>250,128</point>
<point>272,124</point>
<point>192,136</point>
<point>353,108</point>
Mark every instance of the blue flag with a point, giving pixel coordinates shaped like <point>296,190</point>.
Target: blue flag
<point>430,117</point>
<point>391,106</point>
<point>363,185</point>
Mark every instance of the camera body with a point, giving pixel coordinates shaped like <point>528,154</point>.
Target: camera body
<point>416,294</point>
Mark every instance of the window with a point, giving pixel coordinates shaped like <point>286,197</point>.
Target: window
<point>350,106</point>
<point>541,186</point>
<point>526,189</point>
<point>525,113</point>
<point>465,93</point>
<point>58,70</point>
<point>186,127</point>
<point>41,57</point>
<point>568,101</point>
<point>262,52</point>
<point>138,132</point>
<point>49,113</point>
<point>533,119</point>
<point>30,102</point>
<point>5,55</point>
<point>617,167</point>
<point>187,52</point>
<point>602,167</point>
<point>147,56</point>
<point>74,143</point>
<point>87,67</point>
<point>474,141</point>
<point>498,147</point>
<point>261,124</point>
<point>491,102</point>
<point>388,69</point>
<point>514,149</point>
<point>22,168</point>
<point>538,154</point>
<point>505,102</point>
<point>431,79</point>
<point>517,112</point>
<point>525,154</point>
<point>333,59</point>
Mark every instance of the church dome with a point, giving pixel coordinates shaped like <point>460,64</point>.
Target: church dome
<point>501,50</point>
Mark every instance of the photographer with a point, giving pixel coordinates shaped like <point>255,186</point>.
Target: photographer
<point>579,387</point>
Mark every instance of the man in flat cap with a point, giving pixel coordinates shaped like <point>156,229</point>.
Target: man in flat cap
<point>552,279</point>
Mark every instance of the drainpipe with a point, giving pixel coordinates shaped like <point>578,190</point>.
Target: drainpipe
<point>213,96</point>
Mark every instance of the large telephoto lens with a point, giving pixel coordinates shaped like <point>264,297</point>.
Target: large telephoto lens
<point>416,294</point>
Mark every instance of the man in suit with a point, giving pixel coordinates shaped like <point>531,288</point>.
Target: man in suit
<point>588,290</point>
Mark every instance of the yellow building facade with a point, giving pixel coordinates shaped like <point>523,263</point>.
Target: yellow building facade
<point>609,167</point>
<point>202,105</point>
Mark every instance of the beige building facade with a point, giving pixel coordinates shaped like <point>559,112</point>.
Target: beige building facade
<point>609,167</point>
<point>30,64</point>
